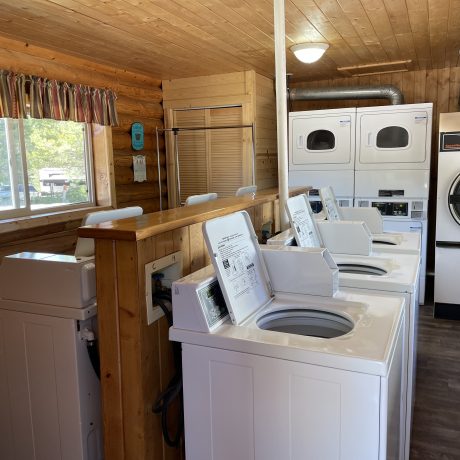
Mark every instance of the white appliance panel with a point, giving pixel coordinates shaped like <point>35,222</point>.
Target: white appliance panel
<point>322,139</point>
<point>342,181</point>
<point>51,392</point>
<point>394,137</point>
<point>412,184</point>
<point>421,227</point>
<point>285,399</point>
<point>448,211</point>
<point>447,255</point>
<point>446,286</point>
<point>409,360</point>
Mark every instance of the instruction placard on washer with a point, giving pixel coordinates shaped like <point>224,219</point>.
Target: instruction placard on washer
<point>238,264</point>
<point>302,222</point>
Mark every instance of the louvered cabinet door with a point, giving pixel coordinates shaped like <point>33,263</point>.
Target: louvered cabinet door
<point>226,156</point>
<point>212,160</point>
<point>193,164</point>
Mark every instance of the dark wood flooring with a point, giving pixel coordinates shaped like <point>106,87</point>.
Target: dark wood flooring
<point>436,423</point>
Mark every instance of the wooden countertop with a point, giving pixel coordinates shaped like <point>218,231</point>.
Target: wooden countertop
<point>139,228</point>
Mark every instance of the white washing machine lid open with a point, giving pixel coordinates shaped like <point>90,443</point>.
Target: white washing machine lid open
<point>389,272</point>
<point>239,266</point>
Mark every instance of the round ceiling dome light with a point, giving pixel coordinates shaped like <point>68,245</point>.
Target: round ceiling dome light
<point>309,52</point>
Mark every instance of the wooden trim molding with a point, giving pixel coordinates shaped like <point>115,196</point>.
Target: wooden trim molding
<point>148,225</point>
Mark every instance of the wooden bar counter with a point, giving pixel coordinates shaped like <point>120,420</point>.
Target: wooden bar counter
<point>136,358</point>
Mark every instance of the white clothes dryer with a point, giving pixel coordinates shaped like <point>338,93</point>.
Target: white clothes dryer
<point>322,152</point>
<point>313,377</point>
<point>447,256</point>
<point>394,136</point>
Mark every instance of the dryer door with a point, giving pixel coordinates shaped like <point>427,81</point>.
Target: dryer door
<point>393,140</point>
<point>454,199</point>
<point>322,142</point>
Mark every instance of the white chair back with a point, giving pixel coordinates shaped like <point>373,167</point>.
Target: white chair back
<point>246,190</point>
<point>85,246</point>
<point>197,199</point>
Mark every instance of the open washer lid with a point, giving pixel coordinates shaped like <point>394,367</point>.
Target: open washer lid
<point>303,223</point>
<point>238,262</point>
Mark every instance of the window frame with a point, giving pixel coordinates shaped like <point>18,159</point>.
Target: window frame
<point>27,211</point>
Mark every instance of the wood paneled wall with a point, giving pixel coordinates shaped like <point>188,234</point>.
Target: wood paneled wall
<point>439,86</point>
<point>266,134</point>
<point>139,99</point>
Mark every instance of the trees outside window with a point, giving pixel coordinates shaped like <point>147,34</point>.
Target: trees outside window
<point>44,165</point>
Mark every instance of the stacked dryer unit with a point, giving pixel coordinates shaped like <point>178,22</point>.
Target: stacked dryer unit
<point>392,168</point>
<point>447,259</point>
<point>371,156</point>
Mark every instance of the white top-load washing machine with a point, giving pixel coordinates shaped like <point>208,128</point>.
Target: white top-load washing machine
<point>383,241</point>
<point>447,257</point>
<point>351,236</point>
<point>392,168</point>
<point>49,391</point>
<point>322,152</point>
<point>299,376</point>
<point>388,274</point>
<point>409,240</point>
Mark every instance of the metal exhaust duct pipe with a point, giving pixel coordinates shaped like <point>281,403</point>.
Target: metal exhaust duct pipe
<point>389,92</point>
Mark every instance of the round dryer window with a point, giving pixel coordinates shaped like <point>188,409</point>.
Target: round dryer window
<point>454,199</point>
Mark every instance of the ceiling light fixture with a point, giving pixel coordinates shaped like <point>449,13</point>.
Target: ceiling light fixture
<point>309,52</point>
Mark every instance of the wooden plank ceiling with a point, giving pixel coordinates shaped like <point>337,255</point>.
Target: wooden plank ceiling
<point>171,39</point>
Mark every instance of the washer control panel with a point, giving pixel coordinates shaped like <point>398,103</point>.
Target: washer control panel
<point>213,303</point>
<point>198,303</point>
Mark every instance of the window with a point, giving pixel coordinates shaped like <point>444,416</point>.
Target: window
<point>45,165</point>
<point>320,140</point>
<point>392,137</point>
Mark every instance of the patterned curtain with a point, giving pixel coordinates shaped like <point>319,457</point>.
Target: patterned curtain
<point>56,100</point>
<point>12,95</point>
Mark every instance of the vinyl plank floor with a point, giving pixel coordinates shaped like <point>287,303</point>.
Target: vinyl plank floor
<point>436,422</point>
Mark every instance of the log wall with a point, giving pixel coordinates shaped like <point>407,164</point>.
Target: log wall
<point>139,99</point>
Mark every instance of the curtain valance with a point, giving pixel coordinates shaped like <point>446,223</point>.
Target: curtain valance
<point>37,97</point>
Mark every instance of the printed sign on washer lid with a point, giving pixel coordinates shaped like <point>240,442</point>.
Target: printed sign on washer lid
<point>303,223</point>
<point>235,254</point>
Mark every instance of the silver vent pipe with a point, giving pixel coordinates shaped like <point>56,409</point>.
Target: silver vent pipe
<point>389,92</point>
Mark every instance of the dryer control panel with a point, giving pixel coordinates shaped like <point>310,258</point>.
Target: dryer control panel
<point>391,208</point>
